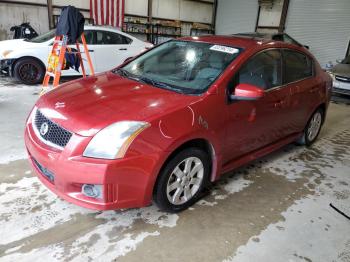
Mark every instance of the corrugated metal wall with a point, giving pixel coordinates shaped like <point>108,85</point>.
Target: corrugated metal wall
<point>324,25</point>
<point>13,14</point>
<point>183,10</point>
<point>236,16</point>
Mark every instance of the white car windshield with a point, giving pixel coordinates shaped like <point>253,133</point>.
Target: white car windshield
<point>182,66</point>
<point>43,38</point>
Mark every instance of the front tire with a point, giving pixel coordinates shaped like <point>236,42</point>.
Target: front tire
<point>312,128</point>
<point>29,71</point>
<point>182,179</point>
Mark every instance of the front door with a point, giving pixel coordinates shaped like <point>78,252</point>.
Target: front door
<point>255,124</point>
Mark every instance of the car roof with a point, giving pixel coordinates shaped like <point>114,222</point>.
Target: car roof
<point>260,35</point>
<point>241,41</point>
<point>110,29</point>
<point>103,27</point>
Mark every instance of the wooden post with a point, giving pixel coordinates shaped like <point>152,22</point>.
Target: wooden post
<point>283,16</point>
<point>50,14</point>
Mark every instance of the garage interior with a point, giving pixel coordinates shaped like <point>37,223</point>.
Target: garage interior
<point>291,205</point>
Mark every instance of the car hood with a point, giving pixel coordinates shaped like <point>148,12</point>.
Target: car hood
<point>342,70</point>
<point>15,44</point>
<point>85,106</point>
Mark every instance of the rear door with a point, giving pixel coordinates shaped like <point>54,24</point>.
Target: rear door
<point>90,40</point>
<point>255,124</point>
<point>111,50</point>
<point>299,76</point>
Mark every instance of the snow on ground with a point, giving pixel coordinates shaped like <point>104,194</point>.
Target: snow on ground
<point>310,223</point>
<point>16,102</point>
<point>35,225</point>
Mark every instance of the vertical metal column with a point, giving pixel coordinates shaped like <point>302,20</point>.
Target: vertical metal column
<point>50,14</point>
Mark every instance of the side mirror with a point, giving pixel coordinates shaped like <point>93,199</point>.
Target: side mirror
<point>247,92</point>
<point>339,61</point>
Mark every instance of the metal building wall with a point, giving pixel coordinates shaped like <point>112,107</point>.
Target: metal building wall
<point>236,16</point>
<point>35,12</point>
<point>324,25</point>
<point>183,10</point>
<point>13,14</point>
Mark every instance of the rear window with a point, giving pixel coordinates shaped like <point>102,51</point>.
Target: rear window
<point>297,66</point>
<point>111,38</point>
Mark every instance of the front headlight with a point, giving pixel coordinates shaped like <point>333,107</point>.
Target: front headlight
<point>331,75</point>
<point>6,53</point>
<point>113,141</point>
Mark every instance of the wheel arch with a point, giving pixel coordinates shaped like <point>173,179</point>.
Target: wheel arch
<point>201,143</point>
<point>24,57</point>
<point>321,106</point>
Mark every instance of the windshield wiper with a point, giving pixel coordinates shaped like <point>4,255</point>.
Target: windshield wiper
<point>122,72</point>
<point>160,84</point>
<point>147,80</point>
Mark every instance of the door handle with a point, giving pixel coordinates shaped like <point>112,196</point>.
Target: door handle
<point>279,103</point>
<point>313,90</point>
<point>91,51</point>
<point>295,90</point>
<point>123,49</point>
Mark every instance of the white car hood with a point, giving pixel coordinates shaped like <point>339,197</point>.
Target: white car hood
<point>16,44</point>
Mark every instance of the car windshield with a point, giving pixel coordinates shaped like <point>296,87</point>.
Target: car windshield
<point>346,60</point>
<point>43,38</point>
<point>181,66</point>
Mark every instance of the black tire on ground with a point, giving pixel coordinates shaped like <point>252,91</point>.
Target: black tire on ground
<point>195,158</point>
<point>312,129</point>
<point>29,71</point>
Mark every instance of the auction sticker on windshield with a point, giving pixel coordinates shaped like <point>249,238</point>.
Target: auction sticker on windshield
<point>225,49</point>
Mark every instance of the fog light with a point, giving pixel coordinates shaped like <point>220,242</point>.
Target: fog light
<point>94,191</point>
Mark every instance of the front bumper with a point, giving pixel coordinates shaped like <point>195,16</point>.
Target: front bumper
<point>340,87</point>
<point>126,182</point>
<point>6,66</point>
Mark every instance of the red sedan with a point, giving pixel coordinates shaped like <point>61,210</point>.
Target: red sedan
<point>164,125</point>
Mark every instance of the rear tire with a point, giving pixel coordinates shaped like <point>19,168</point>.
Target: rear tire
<point>29,71</point>
<point>312,129</point>
<point>182,179</point>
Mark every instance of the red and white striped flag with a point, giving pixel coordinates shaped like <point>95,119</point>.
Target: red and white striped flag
<point>107,12</point>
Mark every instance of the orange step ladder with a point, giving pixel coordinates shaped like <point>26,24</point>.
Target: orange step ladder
<point>59,49</point>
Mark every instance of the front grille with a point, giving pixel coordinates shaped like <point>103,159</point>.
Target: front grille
<point>50,132</point>
<point>342,79</point>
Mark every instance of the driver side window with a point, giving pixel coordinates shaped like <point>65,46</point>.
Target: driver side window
<point>263,70</point>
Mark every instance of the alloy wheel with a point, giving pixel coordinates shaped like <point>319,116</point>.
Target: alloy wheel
<point>28,72</point>
<point>185,181</point>
<point>314,126</point>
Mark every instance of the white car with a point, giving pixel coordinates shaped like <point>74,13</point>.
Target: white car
<point>26,60</point>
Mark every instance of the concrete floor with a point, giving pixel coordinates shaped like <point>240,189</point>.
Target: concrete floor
<point>276,209</point>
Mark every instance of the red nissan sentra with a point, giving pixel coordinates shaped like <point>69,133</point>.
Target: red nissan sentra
<point>164,125</point>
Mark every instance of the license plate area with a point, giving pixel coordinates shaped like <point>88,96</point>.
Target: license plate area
<point>45,172</point>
